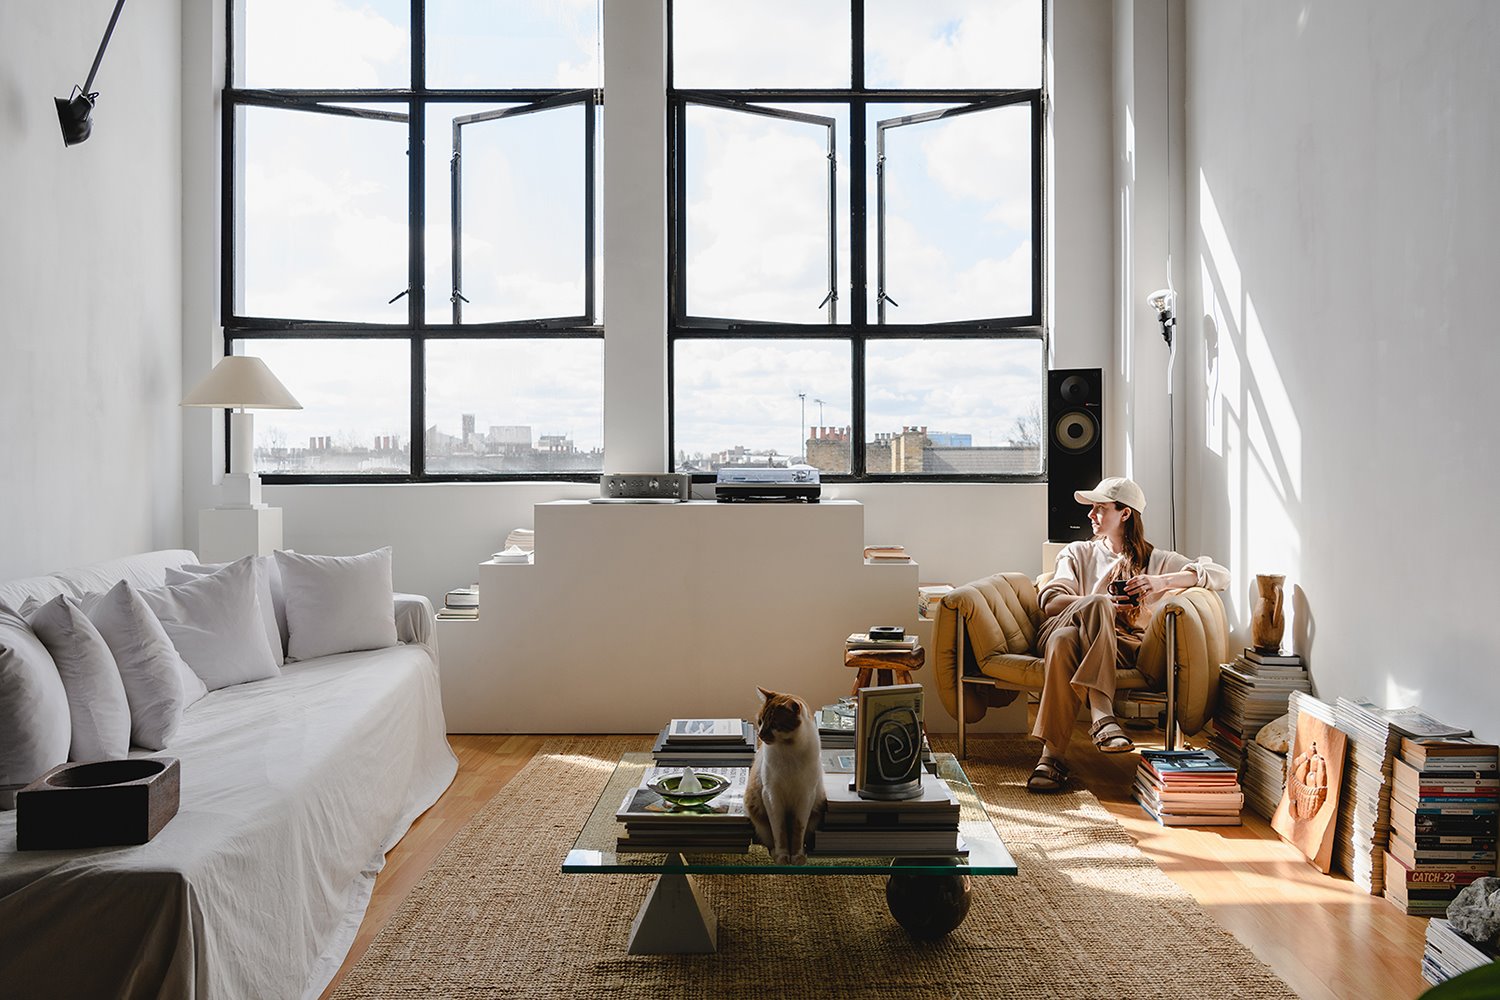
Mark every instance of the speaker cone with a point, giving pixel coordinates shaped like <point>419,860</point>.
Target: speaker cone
<point>1075,390</point>
<point>1075,430</point>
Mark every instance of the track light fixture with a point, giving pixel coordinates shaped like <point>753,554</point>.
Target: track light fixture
<point>73,111</point>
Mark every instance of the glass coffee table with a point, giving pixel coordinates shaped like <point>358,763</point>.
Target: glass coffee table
<point>929,896</point>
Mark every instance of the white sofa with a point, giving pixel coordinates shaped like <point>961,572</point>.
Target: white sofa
<point>293,789</point>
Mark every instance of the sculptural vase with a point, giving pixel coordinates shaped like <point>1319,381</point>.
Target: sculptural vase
<point>1267,622</point>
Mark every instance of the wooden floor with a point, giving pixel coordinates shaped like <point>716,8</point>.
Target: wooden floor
<point>1325,937</point>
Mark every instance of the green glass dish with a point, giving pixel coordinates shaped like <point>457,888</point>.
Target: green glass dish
<point>666,787</point>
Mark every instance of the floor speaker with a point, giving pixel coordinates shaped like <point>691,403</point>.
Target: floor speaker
<point>1075,448</point>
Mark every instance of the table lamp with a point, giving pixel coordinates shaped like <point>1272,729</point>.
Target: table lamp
<point>241,383</point>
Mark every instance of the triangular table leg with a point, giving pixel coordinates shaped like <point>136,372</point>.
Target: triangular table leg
<point>675,919</point>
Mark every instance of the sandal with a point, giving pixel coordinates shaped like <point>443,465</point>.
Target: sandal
<point>1049,775</point>
<point>1109,737</point>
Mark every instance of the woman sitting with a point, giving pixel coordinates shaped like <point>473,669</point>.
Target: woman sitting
<point>1095,610</point>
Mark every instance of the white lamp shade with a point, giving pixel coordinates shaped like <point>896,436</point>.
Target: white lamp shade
<point>241,382</point>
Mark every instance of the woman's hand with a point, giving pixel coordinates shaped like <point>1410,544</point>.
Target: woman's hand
<point>1145,588</point>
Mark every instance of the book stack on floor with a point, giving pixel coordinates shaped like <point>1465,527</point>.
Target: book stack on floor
<point>705,743</point>
<point>924,826</point>
<point>653,825</point>
<point>929,596</point>
<point>461,602</point>
<point>1188,788</point>
<point>1443,815</point>
<point>887,554</point>
<point>1449,953</point>
<point>1253,690</point>
<point>1365,807</point>
<point>1264,779</point>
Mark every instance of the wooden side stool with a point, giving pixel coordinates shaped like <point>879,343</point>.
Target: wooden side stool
<point>888,666</point>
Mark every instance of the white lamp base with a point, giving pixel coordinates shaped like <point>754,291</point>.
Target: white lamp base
<point>241,489</point>
<point>229,533</point>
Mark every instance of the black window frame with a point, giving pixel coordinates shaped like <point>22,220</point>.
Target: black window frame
<point>860,328</point>
<point>412,103</point>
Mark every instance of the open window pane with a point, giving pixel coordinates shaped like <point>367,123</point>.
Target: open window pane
<point>768,43</point>
<point>521,44</point>
<point>323,44</point>
<point>952,239</point>
<point>321,219</point>
<point>356,407</point>
<point>521,213</point>
<point>952,407</point>
<point>515,406</point>
<point>962,44</point>
<point>761,236</point>
<point>761,403</point>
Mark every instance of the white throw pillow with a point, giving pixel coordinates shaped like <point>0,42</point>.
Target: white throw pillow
<point>158,684</point>
<point>264,567</point>
<point>337,604</point>
<point>96,695</point>
<point>34,725</point>
<point>216,625</point>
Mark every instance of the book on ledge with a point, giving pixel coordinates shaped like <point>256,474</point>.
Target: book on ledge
<point>887,553</point>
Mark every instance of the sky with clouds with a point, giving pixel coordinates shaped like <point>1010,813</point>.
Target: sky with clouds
<point>324,217</point>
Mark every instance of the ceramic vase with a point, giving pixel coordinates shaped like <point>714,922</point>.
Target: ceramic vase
<point>1267,623</point>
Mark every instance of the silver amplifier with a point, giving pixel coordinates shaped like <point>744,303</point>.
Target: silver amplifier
<point>659,486</point>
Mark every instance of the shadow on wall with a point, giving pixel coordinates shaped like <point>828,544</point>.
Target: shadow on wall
<point>1252,434</point>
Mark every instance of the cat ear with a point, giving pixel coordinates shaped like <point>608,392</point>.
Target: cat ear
<point>765,695</point>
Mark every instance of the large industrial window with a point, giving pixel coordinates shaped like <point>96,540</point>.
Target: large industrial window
<point>857,236</point>
<point>411,208</point>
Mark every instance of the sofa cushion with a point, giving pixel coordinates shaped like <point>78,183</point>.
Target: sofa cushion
<point>216,625</point>
<point>337,604</point>
<point>267,591</point>
<point>143,570</point>
<point>158,684</point>
<point>97,708</point>
<point>15,593</point>
<point>34,724</point>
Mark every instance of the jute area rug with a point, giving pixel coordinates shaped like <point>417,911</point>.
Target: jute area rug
<point>1088,917</point>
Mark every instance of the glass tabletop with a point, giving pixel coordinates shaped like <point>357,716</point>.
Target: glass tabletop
<point>594,851</point>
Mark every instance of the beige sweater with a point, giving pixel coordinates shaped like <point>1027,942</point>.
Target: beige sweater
<point>1087,567</point>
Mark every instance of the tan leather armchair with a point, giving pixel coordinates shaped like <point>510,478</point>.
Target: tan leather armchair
<point>1186,640</point>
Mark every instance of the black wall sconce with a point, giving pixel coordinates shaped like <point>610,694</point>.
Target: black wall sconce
<point>73,111</point>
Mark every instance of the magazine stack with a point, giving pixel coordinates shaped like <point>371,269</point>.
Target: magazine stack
<point>1365,808</point>
<point>836,725</point>
<point>1253,690</point>
<point>655,826</point>
<point>1443,815</point>
<point>929,596</point>
<point>923,826</point>
<point>1188,788</point>
<point>1449,953</point>
<point>1264,779</point>
<point>705,743</point>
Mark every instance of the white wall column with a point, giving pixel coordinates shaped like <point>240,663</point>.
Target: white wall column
<point>635,236</point>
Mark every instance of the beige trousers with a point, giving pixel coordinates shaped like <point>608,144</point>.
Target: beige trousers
<point>1081,648</point>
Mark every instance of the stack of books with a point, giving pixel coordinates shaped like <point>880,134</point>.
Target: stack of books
<point>521,538</point>
<point>653,825</point>
<point>929,596</point>
<point>836,725</point>
<point>1449,953</point>
<point>1365,806</point>
<point>1444,797</point>
<point>511,555</point>
<point>924,826</point>
<point>1264,779</point>
<point>1188,788</point>
<point>707,743</point>
<point>862,640</point>
<point>1253,690</point>
<point>461,602</point>
<point>887,553</point>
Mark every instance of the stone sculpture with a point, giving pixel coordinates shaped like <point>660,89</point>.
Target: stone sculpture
<point>1475,911</point>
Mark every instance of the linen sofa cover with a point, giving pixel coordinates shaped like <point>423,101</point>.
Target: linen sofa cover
<point>293,789</point>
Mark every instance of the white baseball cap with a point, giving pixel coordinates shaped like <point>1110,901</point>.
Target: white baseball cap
<point>1115,489</point>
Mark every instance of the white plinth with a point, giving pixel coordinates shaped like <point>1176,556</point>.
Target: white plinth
<point>635,614</point>
<point>228,533</point>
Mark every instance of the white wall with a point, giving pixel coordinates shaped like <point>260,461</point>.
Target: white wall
<point>90,285</point>
<point>1341,332</point>
<point>957,532</point>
